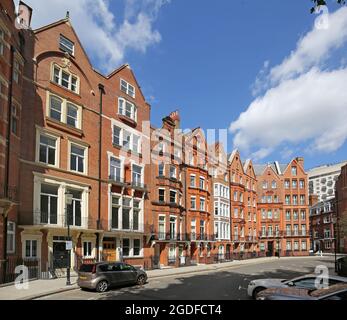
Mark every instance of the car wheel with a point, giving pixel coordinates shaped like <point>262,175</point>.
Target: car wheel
<point>102,286</point>
<point>141,280</point>
<point>256,291</point>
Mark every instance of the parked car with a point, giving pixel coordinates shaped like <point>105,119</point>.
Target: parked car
<point>334,292</point>
<point>306,281</point>
<point>103,275</point>
<point>342,266</point>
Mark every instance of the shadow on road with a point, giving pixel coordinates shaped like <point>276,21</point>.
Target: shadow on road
<point>222,285</point>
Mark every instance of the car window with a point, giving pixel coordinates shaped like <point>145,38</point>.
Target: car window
<point>305,283</point>
<point>127,267</point>
<point>117,267</point>
<point>86,268</point>
<point>106,267</point>
<point>333,281</point>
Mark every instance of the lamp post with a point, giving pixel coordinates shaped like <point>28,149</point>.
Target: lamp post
<point>68,201</point>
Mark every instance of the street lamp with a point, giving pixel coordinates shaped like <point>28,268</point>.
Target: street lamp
<point>68,201</point>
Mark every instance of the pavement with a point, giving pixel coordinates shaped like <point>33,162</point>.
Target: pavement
<point>44,288</point>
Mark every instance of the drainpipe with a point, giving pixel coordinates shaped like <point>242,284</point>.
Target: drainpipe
<point>7,166</point>
<point>101,92</point>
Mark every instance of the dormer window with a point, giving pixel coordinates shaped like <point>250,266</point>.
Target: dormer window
<point>127,88</point>
<point>65,79</point>
<point>127,109</point>
<point>66,45</point>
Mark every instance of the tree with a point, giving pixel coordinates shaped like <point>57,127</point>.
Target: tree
<point>318,3</point>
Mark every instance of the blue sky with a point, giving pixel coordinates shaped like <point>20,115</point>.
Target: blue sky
<point>203,58</point>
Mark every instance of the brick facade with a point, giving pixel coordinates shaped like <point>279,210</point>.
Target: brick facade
<point>341,208</point>
<point>90,159</point>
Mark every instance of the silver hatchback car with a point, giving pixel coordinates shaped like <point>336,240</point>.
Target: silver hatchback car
<point>103,275</point>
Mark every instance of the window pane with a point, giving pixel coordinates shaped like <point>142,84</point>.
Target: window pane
<point>55,108</point>
<point>125,219</point>
<point>136,247</point>
<point>115,211</point>
<point>72,112</point>
<point>65,79</point>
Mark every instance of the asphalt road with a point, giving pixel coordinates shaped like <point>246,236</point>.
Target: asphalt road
<point>226,284</point>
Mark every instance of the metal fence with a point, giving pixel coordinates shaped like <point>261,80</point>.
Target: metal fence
<point>8,268</point>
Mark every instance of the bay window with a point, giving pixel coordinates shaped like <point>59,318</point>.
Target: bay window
<point>136,175</point>
<point>47,149</point>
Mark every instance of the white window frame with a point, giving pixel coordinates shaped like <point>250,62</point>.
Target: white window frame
<point>161,189</point>
<point>127,91</point>
<point>203,200</point>
<point>164,223</point>
<point>11,233</point>
<point>60,78</point>
<point>175,191</point>
<point>91,248</point>
<point>41,131</point>
<point>63,116</point>
<point>64,47</point>
<point>85,162</point>
<point>193,198</point>
<point>122,111</point>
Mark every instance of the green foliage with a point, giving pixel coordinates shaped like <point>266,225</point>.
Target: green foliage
<point>318,3</point>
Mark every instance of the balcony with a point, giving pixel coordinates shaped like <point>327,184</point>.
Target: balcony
<point>8,194</point>
<point>117,180</point>
<point>201,237</point>
<point>170,236</point>
<point>61,221</point>
<point>137,185</point>
<point>126,227</point>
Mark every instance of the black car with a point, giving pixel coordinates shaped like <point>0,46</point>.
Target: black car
<point>103,275</point>
<point>342,266</point>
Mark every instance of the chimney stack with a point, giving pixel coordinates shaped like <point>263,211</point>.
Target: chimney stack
<point>175,116</point>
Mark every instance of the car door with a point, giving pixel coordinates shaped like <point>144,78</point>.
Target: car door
<point>117,274</point>
<point>129,273</point>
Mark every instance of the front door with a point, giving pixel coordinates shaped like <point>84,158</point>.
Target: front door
<point>109,251</point>
<point>60,255</point>
<point>270,248</point>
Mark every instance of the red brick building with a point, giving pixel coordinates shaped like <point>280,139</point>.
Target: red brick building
<point>168,199</point>
<point>322,226</point>
<point>283,217</point>
<point>13,48</point>
<point>85,139</point>
<point>341,209</point>
<point>243,205</point>
<point>200,222</point>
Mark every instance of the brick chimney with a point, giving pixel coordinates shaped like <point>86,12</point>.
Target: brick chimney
<point>175,116</point>
<point>300,160</point>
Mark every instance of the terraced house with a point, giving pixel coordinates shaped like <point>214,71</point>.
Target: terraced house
<point>82,166</point>
<point>243,205</point>
<point>283,211</point>
<point>13,83</point>
<point>82,163</point>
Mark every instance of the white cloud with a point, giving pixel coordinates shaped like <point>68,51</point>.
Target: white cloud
<point>306,104</point>
<point>313,48</point>
<point>106,36</point>
<point>312,107</point>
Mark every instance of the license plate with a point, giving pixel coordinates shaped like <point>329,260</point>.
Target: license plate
<point>83,278</point>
